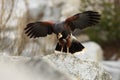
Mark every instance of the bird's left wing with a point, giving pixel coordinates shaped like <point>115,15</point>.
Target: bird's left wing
<point>83,20</point>
<point>39,29</point>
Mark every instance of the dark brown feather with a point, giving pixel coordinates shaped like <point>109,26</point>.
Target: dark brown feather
<point>39,29</point>
<point>83,20</point>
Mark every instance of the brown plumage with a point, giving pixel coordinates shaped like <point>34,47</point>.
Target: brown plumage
<point>63,30</point>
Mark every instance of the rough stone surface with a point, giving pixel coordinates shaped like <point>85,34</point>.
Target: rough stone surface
<point>52,67</point>
<point>80,69</point>
<point>24,68</point>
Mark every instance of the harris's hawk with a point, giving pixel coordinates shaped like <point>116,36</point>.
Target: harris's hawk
<point>63,30</point>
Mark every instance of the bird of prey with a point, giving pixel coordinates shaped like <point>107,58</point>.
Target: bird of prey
<point>66,41</point>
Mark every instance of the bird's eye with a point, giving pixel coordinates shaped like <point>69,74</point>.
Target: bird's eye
<point>60,35</point>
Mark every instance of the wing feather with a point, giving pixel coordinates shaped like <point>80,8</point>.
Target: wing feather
<point>38,29</point>
<point>83,20</point>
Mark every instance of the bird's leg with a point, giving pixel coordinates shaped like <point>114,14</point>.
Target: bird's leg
<point>68,43</point>
<point>67,49</point>
<point>62,44</point>
<point>62,49</point>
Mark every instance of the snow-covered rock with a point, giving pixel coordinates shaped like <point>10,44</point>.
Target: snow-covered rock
<point>80,69</point>
<point>92,52</point>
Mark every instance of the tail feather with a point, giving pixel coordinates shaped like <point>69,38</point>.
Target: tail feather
<point>58,47</point>
<point>76,46</point>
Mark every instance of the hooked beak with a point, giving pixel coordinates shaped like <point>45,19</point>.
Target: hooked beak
<point>60,35</point>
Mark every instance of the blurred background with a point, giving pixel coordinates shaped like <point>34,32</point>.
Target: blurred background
<point>102,41</point>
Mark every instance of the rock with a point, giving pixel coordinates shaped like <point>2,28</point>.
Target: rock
<point>52,67</point>
<point>80,69</point>
<point>26,68</point>
<point>92,52</point>
<point>112,67</point>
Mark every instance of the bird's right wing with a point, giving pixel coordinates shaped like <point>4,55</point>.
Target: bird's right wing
<point>83,20</point>
<point>39,29</point>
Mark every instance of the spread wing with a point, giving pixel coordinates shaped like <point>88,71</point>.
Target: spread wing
<point>38,29</point>
<point>83,20</point>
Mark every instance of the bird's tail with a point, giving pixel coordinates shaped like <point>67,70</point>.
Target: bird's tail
<point>76,46</point>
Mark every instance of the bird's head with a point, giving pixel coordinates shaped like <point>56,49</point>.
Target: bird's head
<point>59,35</point>
<point>62,35</point>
